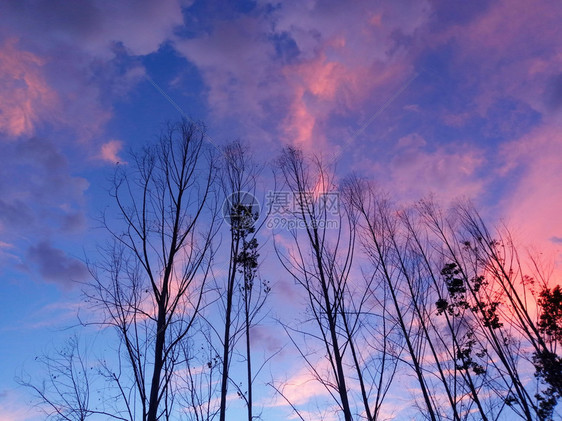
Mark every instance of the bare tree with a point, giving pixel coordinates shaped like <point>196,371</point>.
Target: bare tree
<point>453,334</point>
<point>379,236</point>
<point>340,309</point>
<point>313,266</point>
<point>65,392</point>
<point>151,283</point>
<point>199,384</point>
<point>465,308</point>
<point>437,292</point>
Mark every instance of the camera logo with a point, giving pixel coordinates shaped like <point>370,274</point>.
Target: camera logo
<point>241,210</point>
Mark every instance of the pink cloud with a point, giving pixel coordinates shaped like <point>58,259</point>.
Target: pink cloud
<point>302,387</point>
<point>534,206</point>
<point>337,75</point>
<point>292,69</point>
<point>62,65</point>
<point>447,172</point>
<point>110,151</point>
<point>75,59</point>
<point>25,97</point>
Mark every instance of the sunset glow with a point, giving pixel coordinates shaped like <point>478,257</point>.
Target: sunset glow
<point>457,101</point>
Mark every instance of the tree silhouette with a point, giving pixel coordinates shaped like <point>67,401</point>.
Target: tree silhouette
<point>416,291</point>
<point>151,284</point>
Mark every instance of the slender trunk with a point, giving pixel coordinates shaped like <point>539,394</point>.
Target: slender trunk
<point>158,362</point>
<point>450,325</point>
<point>247,288</point>
<point>248,358</point>
<point>496,342</point>
<point>358,369</point>
<point>417,366</point>
<point>332,324</point>
<point>392,289</point>
<point>422,321</point>
<point>342,388</point>
<point>227,323</point>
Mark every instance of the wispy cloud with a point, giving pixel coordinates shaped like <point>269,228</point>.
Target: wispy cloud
<point>26,99</point>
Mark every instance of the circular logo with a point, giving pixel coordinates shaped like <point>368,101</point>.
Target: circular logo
<point>241,210</point>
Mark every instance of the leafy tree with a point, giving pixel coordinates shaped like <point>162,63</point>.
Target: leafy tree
<point>242,299</point>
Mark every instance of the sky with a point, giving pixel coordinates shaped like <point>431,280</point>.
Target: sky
<point>454,98</point>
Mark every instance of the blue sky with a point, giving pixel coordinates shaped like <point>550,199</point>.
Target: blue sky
<point>461,99</point>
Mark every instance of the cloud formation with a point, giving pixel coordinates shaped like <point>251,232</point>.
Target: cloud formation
<point>534,206</point>
<point>55,265</point>
<point>94,26</point>
<point>423,96</point>
<point>110,151</point>
<point>25,97</point>
<point>293,67</point>
<point>62,68</point>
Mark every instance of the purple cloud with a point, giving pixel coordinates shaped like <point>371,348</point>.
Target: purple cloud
<point>41,188</point>
<point>93,26</point>
<point>290,71</point>
<point>63,66</point>
<point>554,92</point>
<point>54,265</point>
